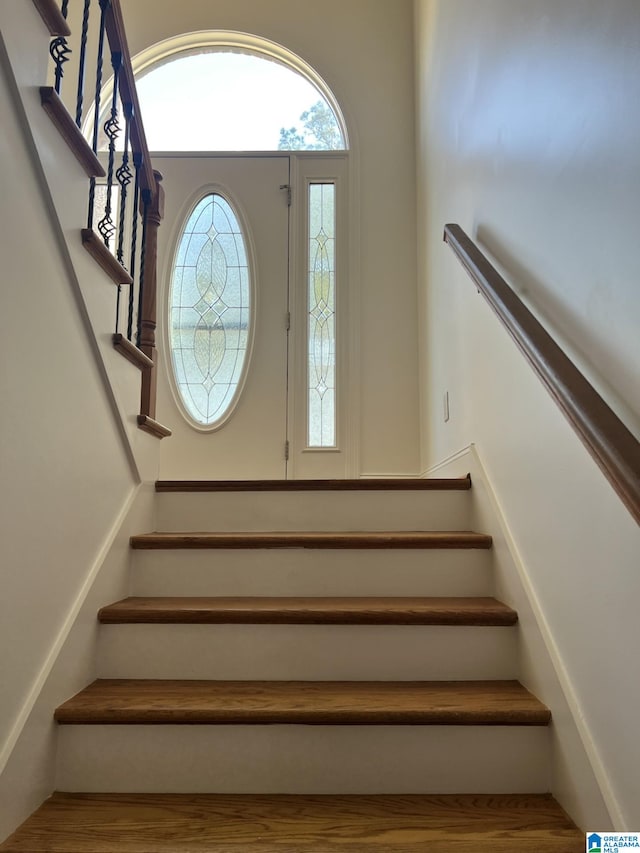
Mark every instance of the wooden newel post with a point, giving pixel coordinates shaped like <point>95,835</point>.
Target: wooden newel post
<point>154,216</point>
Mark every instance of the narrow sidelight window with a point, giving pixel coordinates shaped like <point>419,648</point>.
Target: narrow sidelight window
<point>210,312</point>
<point>321,327</point>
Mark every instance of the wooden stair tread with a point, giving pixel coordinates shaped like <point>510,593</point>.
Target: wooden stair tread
<point>70,132</point>
<point>217,823</point>
<point>150,701</point>
<point>363,485</point>
<point>404,539</point>
<point>94,244</point>
<point>310,610</point>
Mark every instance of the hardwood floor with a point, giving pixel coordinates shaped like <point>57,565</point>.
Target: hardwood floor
<point>193,823</point>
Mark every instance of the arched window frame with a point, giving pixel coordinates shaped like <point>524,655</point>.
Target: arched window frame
<point>200,41</point>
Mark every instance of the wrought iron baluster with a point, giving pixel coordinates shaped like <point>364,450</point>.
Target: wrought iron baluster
<point>106,227</point>
<point>59,50</point>
<point>118,298</point>
<point>104,5</point>
<point>146,201</point>
<point>82,61</point>
<point>124,176</point>
<point>137,162</point>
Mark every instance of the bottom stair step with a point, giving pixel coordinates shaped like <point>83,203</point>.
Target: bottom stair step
<point>331,737</point>
<point>150,701</point>
<point>190,823</point>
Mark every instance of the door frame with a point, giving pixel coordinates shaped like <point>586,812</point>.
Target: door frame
<point>305,166</point>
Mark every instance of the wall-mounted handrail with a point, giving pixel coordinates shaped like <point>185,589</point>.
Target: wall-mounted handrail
<point>614,448</point>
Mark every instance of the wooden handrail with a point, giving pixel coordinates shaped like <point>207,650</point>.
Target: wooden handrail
<point>614,448</point>
<point>53,17</point>
<point>117,38</point>
<point>153,213</point>
<point>140,208</point>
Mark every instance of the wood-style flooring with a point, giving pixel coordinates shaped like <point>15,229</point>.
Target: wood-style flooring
<point>194,823</point>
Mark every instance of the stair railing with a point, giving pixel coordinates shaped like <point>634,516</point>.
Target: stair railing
<point>614,448</point>
<point>125,197</point>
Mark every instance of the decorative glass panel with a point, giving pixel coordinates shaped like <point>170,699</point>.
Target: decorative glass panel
<point>209,310</point>
<point>321,329</point>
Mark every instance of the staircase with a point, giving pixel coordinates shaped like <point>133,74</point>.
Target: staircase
<point>312,638</point>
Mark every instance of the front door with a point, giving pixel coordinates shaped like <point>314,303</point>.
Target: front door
<point>250,442</point>
<point>266,433</point>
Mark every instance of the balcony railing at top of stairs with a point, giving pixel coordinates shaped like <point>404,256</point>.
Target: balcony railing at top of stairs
<point>125,196</point>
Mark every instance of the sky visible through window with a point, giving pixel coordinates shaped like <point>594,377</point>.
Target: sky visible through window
<point>221,101</point>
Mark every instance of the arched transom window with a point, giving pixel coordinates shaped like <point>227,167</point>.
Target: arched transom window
<point>223,91</point>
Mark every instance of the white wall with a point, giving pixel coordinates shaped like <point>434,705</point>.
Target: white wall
<point>71,459</point>
<point>528,138</point>
<point>363,50</point>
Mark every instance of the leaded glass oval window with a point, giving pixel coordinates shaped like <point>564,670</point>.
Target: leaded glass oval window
<point>210,311</point>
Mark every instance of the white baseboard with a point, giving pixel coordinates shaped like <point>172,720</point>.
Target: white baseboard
<point>448,464</point>
<point>27,774</point>
<point>491,518</point>
<point>64,632</point>
<point>562,674</point>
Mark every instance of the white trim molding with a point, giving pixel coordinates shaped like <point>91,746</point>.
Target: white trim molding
<point>516,582</point>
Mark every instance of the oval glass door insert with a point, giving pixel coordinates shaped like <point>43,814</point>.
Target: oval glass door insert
<point>210,312</point>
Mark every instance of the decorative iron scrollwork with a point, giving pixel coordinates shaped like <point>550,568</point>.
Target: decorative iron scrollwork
<point>60,51</point>
<point>106,228</point>
<point>124,173</point>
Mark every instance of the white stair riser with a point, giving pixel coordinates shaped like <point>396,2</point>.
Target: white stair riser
<point>305,571</point>
<point>304,759</point>
<point>307,652</point>
<point>336,511</point>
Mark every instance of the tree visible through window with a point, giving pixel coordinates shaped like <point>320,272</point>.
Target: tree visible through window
<point>319,131</point>
<point>221,99</point>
